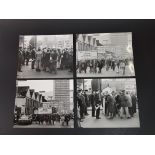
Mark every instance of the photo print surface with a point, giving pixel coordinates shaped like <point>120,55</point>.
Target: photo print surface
<point>104,55</point>
<point>45,56</point>
<point>44,104</point>
<point>107,103</point>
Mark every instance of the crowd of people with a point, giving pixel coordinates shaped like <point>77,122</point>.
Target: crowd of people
<point>42,119</point>
<point>117,103</point>
<point>117,65</point>
<point>46,59</point>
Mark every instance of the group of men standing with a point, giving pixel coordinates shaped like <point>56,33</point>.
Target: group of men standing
<point>122,103</point>
<point>84,101</point>
<point>117,103</point>
<point>96,66</point>
<point>46,59</point>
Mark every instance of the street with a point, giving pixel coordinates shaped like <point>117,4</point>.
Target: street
<point>92,122</point>
<point>108,73</point>
<point>27,72</point>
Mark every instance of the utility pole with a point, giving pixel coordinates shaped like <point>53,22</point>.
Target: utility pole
<point>83,84</point>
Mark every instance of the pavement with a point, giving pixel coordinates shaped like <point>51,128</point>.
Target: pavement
<point>104,122</point>
<point>56,125</point>
<point>108,73</point>
<point>27,72</point>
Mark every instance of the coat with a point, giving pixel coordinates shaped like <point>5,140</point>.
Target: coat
<point>125,101</point>
<point>91,100</point>
<point>134,102</point>
<point>111,104</point>
<point>128,100</point>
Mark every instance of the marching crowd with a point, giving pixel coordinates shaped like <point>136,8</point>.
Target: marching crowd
<point>46,59</point>
<point>117,103</point>
<point>96,66</point>
<point>42,119</point>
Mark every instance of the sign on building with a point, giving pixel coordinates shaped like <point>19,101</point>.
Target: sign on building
<point>67,44</point>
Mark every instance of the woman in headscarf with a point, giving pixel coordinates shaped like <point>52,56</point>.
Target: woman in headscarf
<point>111,105</point>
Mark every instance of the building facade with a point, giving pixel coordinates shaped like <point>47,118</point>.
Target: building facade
<point>62,94</point>
<point>85,42</point>
<point>27,99</point>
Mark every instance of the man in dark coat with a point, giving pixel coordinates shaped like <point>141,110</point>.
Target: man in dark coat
<point>47,59</point>
<point>80,104</point>
<point>33,56</point>
<point>124,105</point>
<point>27,56</point>
<point>92,102</point>
<point>67,118</point>
<point>97,104</point>
<point>113,65</point>
<point>70,61</point>
<point>23,56</point>
<point>99,66</point>
<point>118,103</point>
<point>86,102</point>
<point>82,67</point>
<point>134,103</point>
<point>53,65</point>
<point>19,65</point>
<point>107,64</point>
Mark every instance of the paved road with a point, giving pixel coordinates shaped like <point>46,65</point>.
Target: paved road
<point>27,72</point>
<point>56,125</point>
<point>108,73</point>
<point>92,122</point>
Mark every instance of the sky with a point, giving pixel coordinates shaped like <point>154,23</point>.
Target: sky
<point>41,85</point>
<point>51,37</point>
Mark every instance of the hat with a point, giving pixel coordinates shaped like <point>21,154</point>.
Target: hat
<point>79,90</point>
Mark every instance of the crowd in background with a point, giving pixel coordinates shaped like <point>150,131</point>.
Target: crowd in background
<point>46,59</point>
<point>42,119</point>
<point>117,65</point>
<point>122,104</point>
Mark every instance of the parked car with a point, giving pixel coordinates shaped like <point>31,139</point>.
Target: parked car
<point>25,120</point>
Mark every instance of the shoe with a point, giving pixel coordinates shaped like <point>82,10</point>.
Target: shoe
<point>98,118</point>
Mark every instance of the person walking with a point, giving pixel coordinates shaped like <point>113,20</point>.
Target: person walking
<point>53,66</point>
<point>38,60</point>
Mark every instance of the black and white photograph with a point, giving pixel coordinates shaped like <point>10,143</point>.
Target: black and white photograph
<point>107,103</point>
<point>45,56</point>
<point>104,55</point>
<point>44,104</point>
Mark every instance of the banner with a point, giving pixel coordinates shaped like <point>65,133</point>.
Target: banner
<point>87,55</point>
<point>67,44</point>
